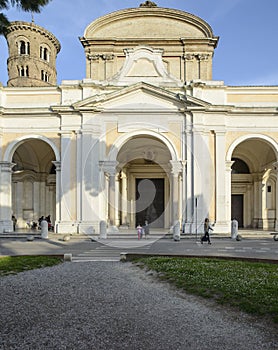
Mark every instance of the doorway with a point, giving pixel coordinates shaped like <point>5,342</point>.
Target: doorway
<point>150,202</point>
<point>237,208</point>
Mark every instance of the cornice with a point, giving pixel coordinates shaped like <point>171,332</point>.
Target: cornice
<point>199,23</point>
<point>20,25</point>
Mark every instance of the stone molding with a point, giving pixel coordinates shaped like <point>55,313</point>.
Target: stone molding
<point>20,25</point>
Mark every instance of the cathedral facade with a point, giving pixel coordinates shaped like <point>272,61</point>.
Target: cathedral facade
<point>147,135</point>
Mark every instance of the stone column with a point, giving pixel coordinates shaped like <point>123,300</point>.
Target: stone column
<point>275,165</point>
<point>93,68</point>
<point>109,167</point>
<point>38,200</point>
<point>175,174</point>
<point>58,192</point>
<point>189,180</point>
<point>228,179</point>
<point>6,224</point>
<point>124,198</point>
<point>203,66</point>
<point>66,176</point>
<point>117,199</point>
<point>176,219</point>
<point>258,197</point>
<point>90,177</point>
<point>108,65</point>
<point>79,180</point>
<point>223,224</point>
<point>203,177</point>
<point>1,141</point>
<point>183,194</point>
<point>51,194</point>
<point>189,62</point>
<point>18,195</point>
<point>111,198</point>
<point>247,211</point>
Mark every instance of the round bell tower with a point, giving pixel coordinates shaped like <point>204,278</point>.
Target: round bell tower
<point>32,55</point>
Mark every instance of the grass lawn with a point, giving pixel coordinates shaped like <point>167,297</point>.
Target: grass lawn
<point>250,286</point>
<point>10,265</point>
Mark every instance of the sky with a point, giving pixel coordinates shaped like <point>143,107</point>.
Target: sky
<point>247,51</point>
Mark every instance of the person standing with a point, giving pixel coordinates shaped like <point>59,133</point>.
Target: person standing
<point>146,229</point>
<point>207,228</point>
<point>14,220</point>
<point>139,231</point>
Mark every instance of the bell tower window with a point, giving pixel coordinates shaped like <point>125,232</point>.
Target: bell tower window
<point>44,53</point>
<point>24,47</point>
<point>44,76</point>
<point>23,71</point>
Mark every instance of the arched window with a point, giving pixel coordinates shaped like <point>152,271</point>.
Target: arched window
<point>44,53</point>
<point>240,167</point>
<point>44,76</point>
<point>23,71</point>
<point>24,47</point>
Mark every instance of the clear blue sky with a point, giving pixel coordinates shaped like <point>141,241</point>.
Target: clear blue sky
<point>247,52</point>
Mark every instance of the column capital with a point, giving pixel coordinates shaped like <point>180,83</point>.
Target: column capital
<point>176,167</point>
<point>219,132</point>
<point>93,57</point>
<point>229,164</point>
<point>189,56</point>
<point>57,165</point>
<point>6,166</point>
<point>203,56</point>
<point>109,167</point>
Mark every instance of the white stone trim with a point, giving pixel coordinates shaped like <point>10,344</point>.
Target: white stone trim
<point>17,142</point>
<point>240,139</point>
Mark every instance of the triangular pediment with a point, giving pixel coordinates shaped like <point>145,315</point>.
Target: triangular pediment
<point>139,96</point>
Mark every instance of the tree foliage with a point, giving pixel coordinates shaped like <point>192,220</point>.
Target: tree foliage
<point>24,5</point>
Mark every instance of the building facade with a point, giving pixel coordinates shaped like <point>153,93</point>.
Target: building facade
<point>147,135</point>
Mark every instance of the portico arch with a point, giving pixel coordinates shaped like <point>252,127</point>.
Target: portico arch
<point>254,199</point>
<point>239,140</point>
<point>31,181</point>
<point>144,180</point>
<point>112,156</point>
<point>17,142</point>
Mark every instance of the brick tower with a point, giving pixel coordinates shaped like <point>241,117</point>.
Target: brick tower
<point>32,55</point>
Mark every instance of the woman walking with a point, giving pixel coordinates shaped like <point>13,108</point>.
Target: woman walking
<point>207,228</point>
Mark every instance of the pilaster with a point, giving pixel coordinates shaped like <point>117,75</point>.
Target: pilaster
<point>6,224</point>
<point>110,170</point>
<point>176,170</point>
<point>221,182</point>
<point>275,166</point>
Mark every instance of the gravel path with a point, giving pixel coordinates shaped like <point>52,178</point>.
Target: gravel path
<point>112,305</point>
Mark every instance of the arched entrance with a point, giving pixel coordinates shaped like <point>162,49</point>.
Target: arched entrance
<point>33,181</point>
<point>254,183</point>
<point>144,183</point>
<point>144,163</point>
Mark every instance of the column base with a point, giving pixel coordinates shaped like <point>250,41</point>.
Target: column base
<point>6,226</point>
<point>112,229</point>
<point>89,228</point>
<point>269,224</point>
<point>66,227</point>
<point>86,228</point>
<point>222,227</point>
<point>187,227</point>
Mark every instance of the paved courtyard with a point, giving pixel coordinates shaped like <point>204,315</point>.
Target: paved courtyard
<point>83,248</point>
